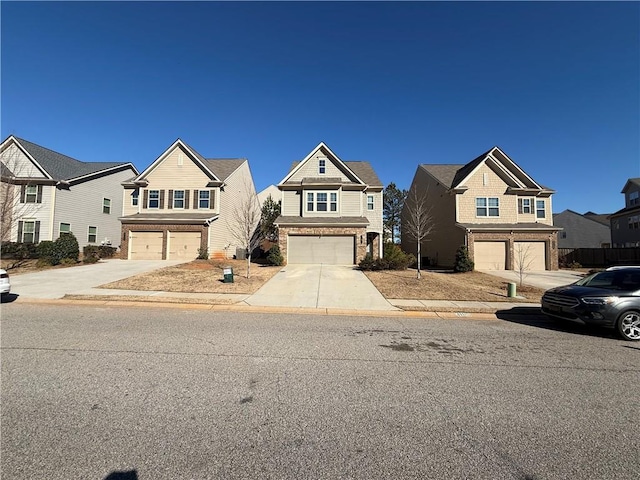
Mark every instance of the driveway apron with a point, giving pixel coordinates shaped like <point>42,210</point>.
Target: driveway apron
<point>320,286</point>
<point>58,282</point>
<point>539,278</point>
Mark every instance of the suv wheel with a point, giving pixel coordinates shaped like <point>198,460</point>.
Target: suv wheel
<point>629,325</point>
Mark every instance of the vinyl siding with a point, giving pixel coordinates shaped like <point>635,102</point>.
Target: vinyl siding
<point>310,169</point>
<point>351,203</point>
<point>291,203</point>
<point>220,235</point>
<point>374,216</point>
<point>19,163</point>
<point>34,211</point>
<point>81,206</point>
<point>127,208</point>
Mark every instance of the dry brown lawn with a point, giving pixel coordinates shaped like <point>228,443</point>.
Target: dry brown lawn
<point>199,276</point>
<point>470,286</point>
<point>14,267</point>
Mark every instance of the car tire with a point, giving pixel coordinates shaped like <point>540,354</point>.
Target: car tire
<point>628,325</point>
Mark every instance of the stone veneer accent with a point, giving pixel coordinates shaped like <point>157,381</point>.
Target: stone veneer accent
<point>550,239</point>
<point>164,228</point>
<point>359,233</point>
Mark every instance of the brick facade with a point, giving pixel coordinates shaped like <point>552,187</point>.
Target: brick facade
<point>360,235</point>
<point>127,228</point>
<point>549,238</point>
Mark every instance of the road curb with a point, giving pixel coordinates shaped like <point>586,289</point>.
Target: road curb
<point>426,314</point>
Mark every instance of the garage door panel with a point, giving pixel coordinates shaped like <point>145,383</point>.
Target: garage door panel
<point>529,256</point>
<point>326,249</point>
<point>490,255</point>
<point>145,246</point>
<point>184,245</point>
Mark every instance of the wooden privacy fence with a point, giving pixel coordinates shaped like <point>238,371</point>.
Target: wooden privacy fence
<point>599,257</point>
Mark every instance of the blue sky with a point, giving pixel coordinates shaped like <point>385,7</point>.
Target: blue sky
<point>555,85</point>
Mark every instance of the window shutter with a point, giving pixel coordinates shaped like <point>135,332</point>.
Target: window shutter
<point>146,199</point>
<point>39,196</point>
<point>212,198</point>
<point>161,199</point>
<point>36,234</point>
<point>20,223</point>
<point>22,194</point>
<point>170,204</point>
<point>196,196</point>
<point>186,199</point>
<point>519,205</point>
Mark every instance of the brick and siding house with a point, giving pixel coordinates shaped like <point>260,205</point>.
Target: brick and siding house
<point>493,207</point>
<point>625,223</point>
<point>331,210</point>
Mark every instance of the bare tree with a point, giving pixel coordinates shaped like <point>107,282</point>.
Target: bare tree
<point>14,204</point>
<point>523,257</point>
<point>418,222</point>
<point>245,221</point>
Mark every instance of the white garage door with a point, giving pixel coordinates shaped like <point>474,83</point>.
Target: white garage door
<point>529,256</point>
<point>489,255</point>
<point>145,245</point>
<point>183,245</point>
<point>332,250</point>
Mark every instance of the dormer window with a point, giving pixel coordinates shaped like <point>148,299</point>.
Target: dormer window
<point>322,166</point>
<point>634,198</point>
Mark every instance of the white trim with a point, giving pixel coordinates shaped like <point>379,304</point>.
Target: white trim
<point>167,152</point>
<point>312,153</point>
<point>516,166</point>
<point>3,146</point>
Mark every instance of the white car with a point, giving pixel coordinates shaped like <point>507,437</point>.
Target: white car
<point>5,285</point>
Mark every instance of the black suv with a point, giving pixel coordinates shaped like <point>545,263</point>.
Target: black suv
<point>610,299</point>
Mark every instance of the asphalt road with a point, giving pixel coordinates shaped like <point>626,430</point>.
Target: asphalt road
<point>115,393</point>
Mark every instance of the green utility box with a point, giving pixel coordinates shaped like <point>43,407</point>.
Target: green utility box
<point>511,289</point>
<point>228,274</point>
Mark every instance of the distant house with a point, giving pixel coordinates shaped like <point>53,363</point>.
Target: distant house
<point>331,210</point>
<point>491,205</point>
<point>46,194</point>
<point>625,223</point>
<point>272,191</point>
<point>182,204</point>
<point>582,231</point>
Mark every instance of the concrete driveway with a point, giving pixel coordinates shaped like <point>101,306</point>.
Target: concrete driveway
<point>539,278</point>
<point>320,286</point>
<point>58,282</point>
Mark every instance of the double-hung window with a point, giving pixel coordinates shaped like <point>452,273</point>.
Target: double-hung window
<point>540,209</point>
<point>154,199</point>
<point>524,205</point>
<point>106,205</point>
<point>369,202</point>
<point>135,195</point>
<point>203,199</point>
<point>178,199</point>
<point>65,228</point>
<point>322,201</point>
<point>487,207</point>
<point>28,231</point>
<point>322,166</point>
<point>92,237</point>
<point>31,194</point>
<point>634,198</point>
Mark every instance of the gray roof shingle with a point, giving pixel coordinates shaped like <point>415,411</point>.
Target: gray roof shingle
<point>63,167</point>
<point>362,169</point>
<point>223,167</point>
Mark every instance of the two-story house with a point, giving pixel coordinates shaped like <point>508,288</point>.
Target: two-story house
<point>331,210</point>
<point>490,205</point>
<point>582,231</point>
<point>46,193</point>
<point>184,204</point>
<point>625,223</point>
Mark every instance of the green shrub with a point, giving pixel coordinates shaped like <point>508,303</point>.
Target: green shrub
<point>69,261</point>
<point>203,253</point>
<point>90,258</point>
<point>463,262</point>
<point>367,263</point>
<point>65,248</point>
<point>18,250</point>
<point>45,249</point>
<point>394,259</point>
<point>275,256</point>
<point>105,251</point>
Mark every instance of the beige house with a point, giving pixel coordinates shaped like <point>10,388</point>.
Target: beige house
<point>183,203</point>
<point>492,206</point>
<point>45,194</point>
<point>331,210</point>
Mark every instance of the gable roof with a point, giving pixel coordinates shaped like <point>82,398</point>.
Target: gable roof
<point>361,171</point>
<point>593,217</point>
<point>217,169</point>
<point>61,167</point>
<point>455,175</point>
<point>631,181</point>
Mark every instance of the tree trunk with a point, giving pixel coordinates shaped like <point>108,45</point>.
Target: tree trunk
<point>418,259</point>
